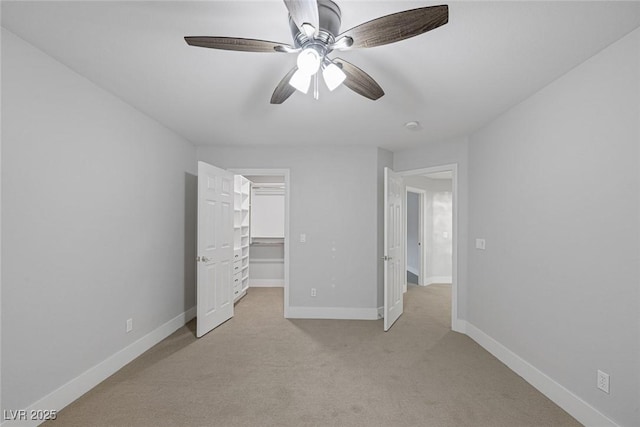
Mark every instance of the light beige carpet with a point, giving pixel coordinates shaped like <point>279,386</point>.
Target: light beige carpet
<point>259,369</point>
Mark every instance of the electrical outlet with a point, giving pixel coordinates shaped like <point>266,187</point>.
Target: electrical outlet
<point>603,381</point>
<point>313,292</point>
<point>129,325</point>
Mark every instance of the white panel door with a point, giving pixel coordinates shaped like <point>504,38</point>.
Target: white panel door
<point>215,247</point>
<point>393,247</point>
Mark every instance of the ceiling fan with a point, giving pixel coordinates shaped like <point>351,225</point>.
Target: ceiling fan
<point>315,26</point>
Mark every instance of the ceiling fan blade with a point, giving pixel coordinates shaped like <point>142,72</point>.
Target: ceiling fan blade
<point>359,81</point>
<point>284,90</point>
<point>234,43</point>
<point>397,26</point>
<point>304,12</point>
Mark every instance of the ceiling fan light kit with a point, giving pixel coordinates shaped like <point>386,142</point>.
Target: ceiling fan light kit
<point>300,81</point>
<point>315,26</point>
<point>309,61</point>
<point>332,74</point>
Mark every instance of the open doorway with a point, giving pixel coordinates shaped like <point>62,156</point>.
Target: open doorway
<point>431,230</point>
<point>429,226</point>
<point>269,229</point>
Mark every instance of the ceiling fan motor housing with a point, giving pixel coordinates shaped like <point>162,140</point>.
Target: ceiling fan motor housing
<point>330,18</point>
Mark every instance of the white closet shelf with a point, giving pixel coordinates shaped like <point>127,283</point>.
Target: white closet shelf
<point>267,261</point>
<point>267,240</point>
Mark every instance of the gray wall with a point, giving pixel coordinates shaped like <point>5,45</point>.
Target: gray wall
<point>333,194</point>
<point>554,190</point>
<point>98,224</point>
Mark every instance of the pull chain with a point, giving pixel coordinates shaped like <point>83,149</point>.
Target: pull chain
<point>316,91</point>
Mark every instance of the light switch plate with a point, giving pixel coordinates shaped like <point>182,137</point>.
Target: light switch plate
<point>480,244</point>
<point>303,238</point>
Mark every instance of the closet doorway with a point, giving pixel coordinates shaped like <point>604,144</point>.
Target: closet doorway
<point>269,229</point>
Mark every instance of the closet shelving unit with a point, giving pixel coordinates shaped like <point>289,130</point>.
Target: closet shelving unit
<point>241,209</point>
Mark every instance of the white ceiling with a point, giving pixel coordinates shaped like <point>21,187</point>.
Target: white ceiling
<point>453,80</point>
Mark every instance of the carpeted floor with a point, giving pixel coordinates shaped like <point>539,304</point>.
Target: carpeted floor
<point>259,369</point>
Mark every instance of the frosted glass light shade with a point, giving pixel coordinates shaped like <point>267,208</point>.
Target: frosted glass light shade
<point>333,76</point>
<point>309,61</point>
<point>301,81</point>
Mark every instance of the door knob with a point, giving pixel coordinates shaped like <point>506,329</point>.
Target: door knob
<point>387,258</point>
<point>203,259</point>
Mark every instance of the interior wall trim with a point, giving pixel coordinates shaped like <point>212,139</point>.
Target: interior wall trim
<point>266,283</point>
<point>342,313</point>
<point>431,280</point>
<point>72,390</point>
<point>561,396</point>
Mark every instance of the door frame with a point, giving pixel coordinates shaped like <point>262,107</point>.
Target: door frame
<point>421,199</point>
<point>455,238</point>
<point>287,188</point>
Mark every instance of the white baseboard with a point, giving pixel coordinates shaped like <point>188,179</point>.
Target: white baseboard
<point>437,279</point>
<point>459,326</point>
<point>343,313</point>
<point>574,405</point>
<point>266,283</point>
<point>72,390</point>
